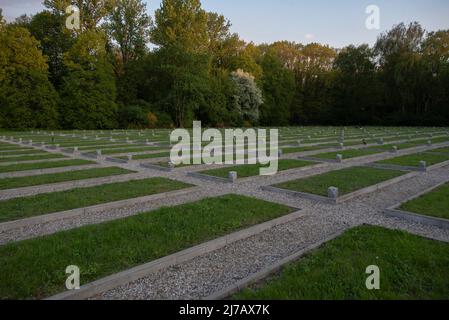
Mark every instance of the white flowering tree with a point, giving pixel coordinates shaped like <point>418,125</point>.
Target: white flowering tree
<point>248,97</point>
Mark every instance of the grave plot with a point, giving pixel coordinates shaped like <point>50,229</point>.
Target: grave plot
<point>245,171</point>
<point>411,268</point>
<point>341,185</point>
<point>419,161</point>
<point>21,152</point>
<point>146,156</point>
<point>430,208</point>
<point>346,154</point>
<point>32,157</point>
<point>36,268</point>
<point>46,203</point>
<point>44,165</point>
<point>29,181</point>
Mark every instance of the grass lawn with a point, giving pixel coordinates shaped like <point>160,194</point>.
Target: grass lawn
<point>435,203</point>
<point>251,170</point>
<point>346,180</point>
<point>414,159</point>
<point>20,182</point>
<point>21,152</point>
<point>40,204</point>
<point>442,150</point>
<point>347,154</point>
<point>33,157</point>
<point>36,268</point>
<point>43,165</point>
<point>411,268</point>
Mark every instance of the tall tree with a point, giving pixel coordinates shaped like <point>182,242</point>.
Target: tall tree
<point>88,91</point>
<point>181,24</point>
<point>398,51</point>
<point>128,27</point>
<point>55,39</point>
<point>356,91</point>
<point>278,84</point>
<point>27,98</point>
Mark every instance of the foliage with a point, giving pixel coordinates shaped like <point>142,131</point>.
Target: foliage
<point>27,98</point>
<point>248,97</point>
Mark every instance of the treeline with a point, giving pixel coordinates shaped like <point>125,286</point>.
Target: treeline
<point>123,69</point>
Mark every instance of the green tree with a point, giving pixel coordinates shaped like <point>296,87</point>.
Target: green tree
<point>356,92</point>
<point>181,24</point>
<point>54,40</point>
<point>398,52</point>
<point>88,91</point>
<point>27,98</point>
<point>278,86</point>
<point>128,27</point>
<point>182,79</point>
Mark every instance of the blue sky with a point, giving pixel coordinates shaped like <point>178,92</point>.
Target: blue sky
<point>334,22</point>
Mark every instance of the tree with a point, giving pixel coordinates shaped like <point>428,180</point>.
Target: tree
<point>182,79</point>
<point>314,78</point>
<point>181,24</point>
<point>398,52</point>
<point>248,96</point>
<point>278,84</point>
<point>27,98</point>
<point>88,91</point>
<point>356,91</point>
<point>54,40</point>
<point>128,26</point>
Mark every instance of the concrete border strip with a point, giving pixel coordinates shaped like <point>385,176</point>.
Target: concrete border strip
<point>133,274</point>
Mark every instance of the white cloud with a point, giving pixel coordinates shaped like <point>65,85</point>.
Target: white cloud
<point>309,36</point>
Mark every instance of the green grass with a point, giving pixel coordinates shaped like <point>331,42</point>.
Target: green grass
<point>33,158</point>
<point>20,182</point>
<point>36,268</point>
<point>245,171</point>
<point>442,150</point>
<point>346,180</point>
<point>43,165</point>
<point>347,154</point>
<point>434,203</point>
<point>411,268</point>
<point>21,152</point>
<point>414,159</point>
<point>40,204</point>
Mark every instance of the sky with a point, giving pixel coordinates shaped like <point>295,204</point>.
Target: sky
<point>337,23</point>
